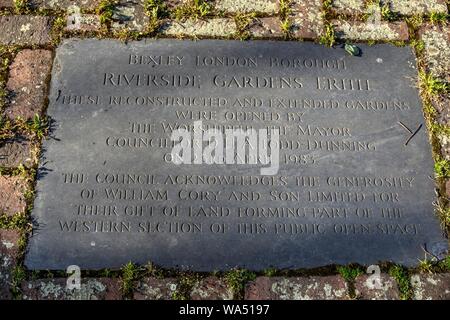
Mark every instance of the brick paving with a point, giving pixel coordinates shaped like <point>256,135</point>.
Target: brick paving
<point>25,30</point>
<point>431,286</point>
<point>15,152</point>
<point>211,288</point>
<point>32,34</point>
<point>12,199</point>
<point>9,251</point>
<point>368,289</point>
<point>155,289</point>
<point>268,7</point>
<point>436,41</point>
<point>370,31</point>
<point>27,84</point>
<point>6,3</point>
<point>298,288</point>
<point>412,7</point>
<point>212,28</point>
<point>57,289</point>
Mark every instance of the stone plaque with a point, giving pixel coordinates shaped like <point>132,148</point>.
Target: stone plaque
<point>354,182</point>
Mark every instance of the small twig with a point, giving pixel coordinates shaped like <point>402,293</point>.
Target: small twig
<point>412,136</point>
<point>428,252</point>
<point>405,127</point>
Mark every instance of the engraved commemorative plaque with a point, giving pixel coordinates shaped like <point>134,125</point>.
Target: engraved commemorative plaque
<point>348,176</point>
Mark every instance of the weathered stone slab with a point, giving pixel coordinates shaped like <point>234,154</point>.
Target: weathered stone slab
<point>355,175</point>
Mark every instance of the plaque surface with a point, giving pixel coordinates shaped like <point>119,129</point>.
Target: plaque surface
<point>355,177</point>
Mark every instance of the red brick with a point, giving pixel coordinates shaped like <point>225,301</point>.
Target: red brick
<point>262,7</point>
<point>9,251</point>
<point>442,104</point>
<point>417,7</point>
<point>307,19</point>
<point>16,151</point>
<point>55,289</point>
<point>6,3</point>
<point>386,289</point>
<point>27,83</point>
<point>155,289</point>
<point>172,4</point>
<point>129,15</point>
<point>211,288</point>
<point>266,28</point>
<point>431,286</point>
<point>348,7</point>
<point>384,31</point>
<point>436,53</point>
<point>83,23</point>
<point>65,4</point>
<point>12,198</point>
<point>302,288</point>
<point>25,30</point>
